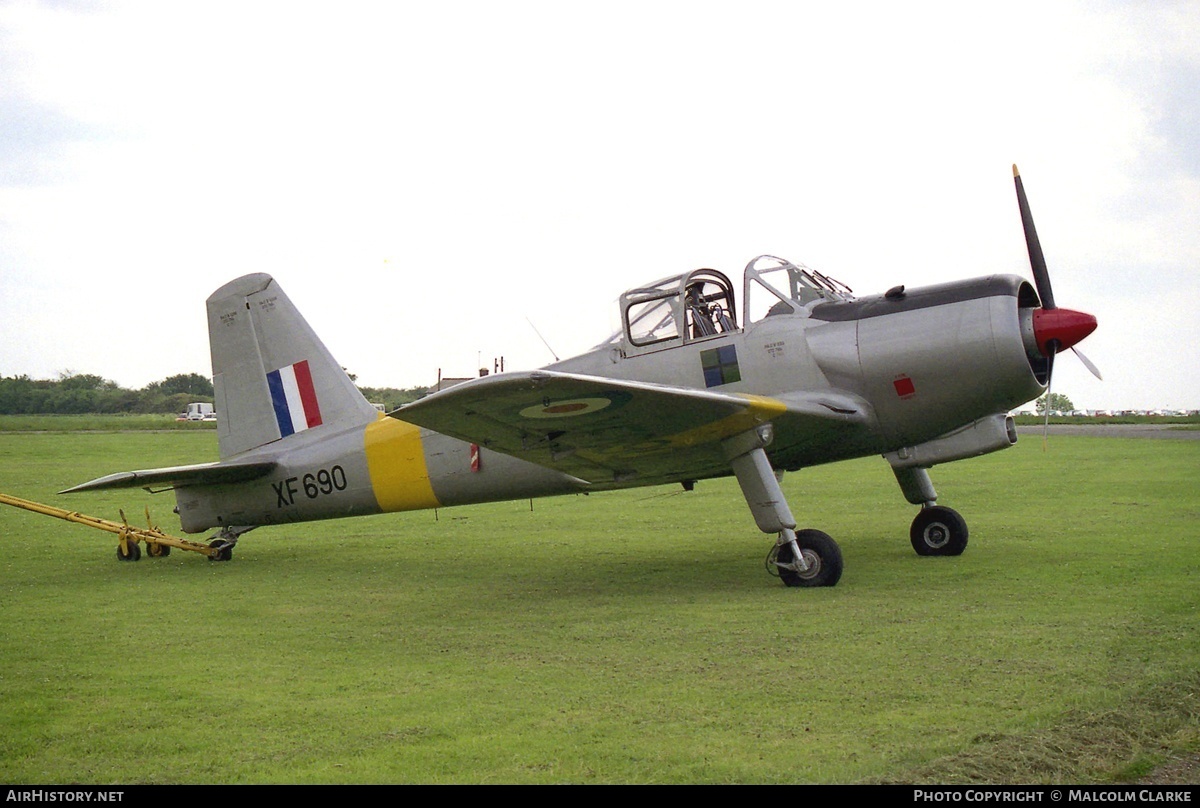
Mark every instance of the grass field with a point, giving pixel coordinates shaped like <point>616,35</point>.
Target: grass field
<point>620,637</point>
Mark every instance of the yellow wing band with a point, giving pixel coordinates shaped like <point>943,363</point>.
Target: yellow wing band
<point>759,409</point>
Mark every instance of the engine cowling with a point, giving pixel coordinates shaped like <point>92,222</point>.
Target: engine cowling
<point>933,359</point>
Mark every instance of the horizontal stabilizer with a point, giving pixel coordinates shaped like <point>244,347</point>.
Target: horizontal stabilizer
<point>179,476</point>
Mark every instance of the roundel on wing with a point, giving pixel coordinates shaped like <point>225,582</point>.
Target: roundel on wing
<point>566,408</point>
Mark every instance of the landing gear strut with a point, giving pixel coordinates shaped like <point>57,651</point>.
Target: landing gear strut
<point>801,558</point>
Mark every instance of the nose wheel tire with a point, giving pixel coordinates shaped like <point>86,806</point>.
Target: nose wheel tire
<point>939,531</point>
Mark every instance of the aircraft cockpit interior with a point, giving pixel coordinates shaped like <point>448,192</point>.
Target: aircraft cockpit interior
<point>693,306</point>
<point>775,286</point>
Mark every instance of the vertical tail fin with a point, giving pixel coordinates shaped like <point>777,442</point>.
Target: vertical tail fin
<point>272,374</point>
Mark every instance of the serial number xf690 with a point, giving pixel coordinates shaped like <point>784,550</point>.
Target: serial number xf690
<point>310,485</point>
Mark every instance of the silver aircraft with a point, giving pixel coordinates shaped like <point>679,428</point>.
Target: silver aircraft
<point>703,380</point>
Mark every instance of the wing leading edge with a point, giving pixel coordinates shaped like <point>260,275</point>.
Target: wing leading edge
<point>609,432</point>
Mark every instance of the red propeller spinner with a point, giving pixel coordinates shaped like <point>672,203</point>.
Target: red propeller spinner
<point>1064,327</point>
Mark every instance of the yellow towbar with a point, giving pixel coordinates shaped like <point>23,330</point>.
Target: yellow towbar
<point>158,544</point>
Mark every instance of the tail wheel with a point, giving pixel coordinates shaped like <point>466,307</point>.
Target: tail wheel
<point>820,552</point>
<point>939,531</point>
<point>224,550</point>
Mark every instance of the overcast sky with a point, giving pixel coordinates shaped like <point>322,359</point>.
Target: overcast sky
<point>426,179</point>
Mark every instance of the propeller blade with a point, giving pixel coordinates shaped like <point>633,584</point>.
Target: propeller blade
<point>1087,363</point>
<point>1055,329</point>
<point>1051,350</point>
<point>1037,261</point>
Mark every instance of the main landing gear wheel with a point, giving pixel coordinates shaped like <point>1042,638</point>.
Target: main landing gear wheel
<point>939,531</point>
<point>820,553</point>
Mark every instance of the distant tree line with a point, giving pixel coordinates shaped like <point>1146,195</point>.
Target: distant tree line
<point>391,397</point>
<point>80,393</point>
<point>77,393</point>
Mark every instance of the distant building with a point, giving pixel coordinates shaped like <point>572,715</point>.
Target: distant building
<point>444,382</point>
